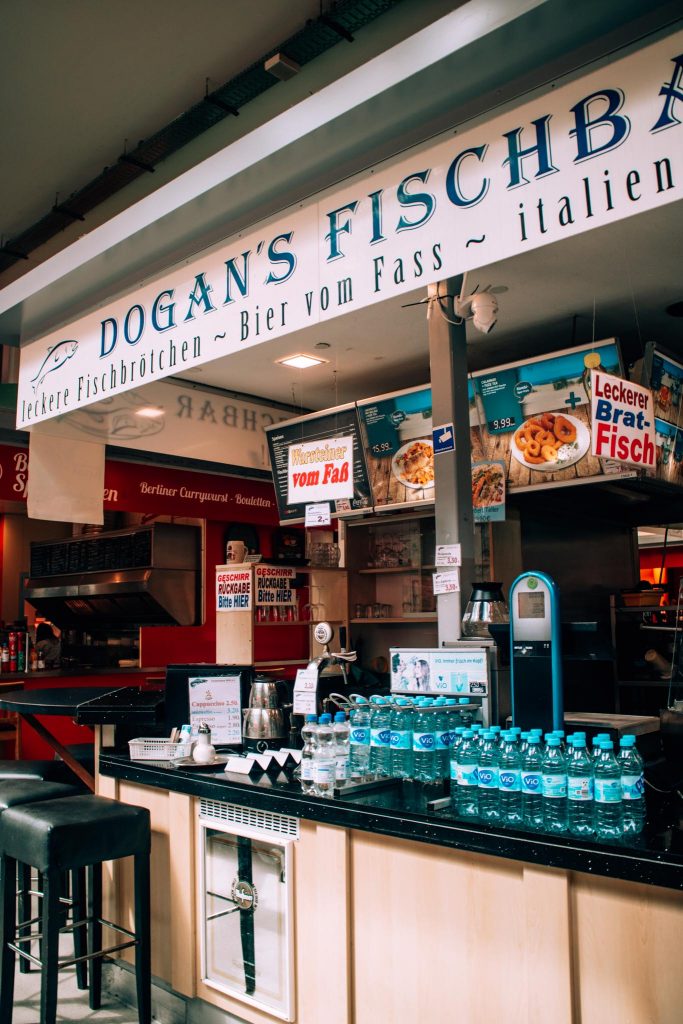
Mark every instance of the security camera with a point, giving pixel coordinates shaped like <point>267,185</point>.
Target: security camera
<point>484,308</point>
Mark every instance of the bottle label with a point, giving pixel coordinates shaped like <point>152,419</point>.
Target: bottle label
<point>468,775</point>
<point>359,736</point>
<point>608,791</point>
<point>342,768</point>
<point>454,771</point>
<point>307,769</point>
<point>488,778</point>
<point>632,787</point>
<point>580,787</point>
<point>554,787</point>
<point>510,780</point>
<point>531,782</point>
<point>380,737</point>
<point>401,739</point>
<point>424,741</point>
<point>323,773</point>
<point>443,740</point>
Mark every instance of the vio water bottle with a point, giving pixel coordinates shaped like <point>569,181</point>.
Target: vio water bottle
<point>359,738</point>
<point>443,737</point>
<point>467,782</point>
<point>532,783</point>
<point>596,741</point>
<point>401,742</point>
<point>509,780</point>
<point>380,738</point>
<point>579,788</point>
<point>308,735</point>
<point>324,762</point>
<point>608,815</point>
<point>342,749</point>
<point>424,743</point>
<point>488,777</point>
<point>554,771</point>
<point>632,785</point>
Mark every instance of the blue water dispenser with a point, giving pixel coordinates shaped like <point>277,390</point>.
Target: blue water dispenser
<point>535,653</point>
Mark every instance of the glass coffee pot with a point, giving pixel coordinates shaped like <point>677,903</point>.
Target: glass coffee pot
<point>485,606</point>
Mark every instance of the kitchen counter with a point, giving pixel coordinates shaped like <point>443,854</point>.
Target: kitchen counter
<point>654,858</point>
<point>77,673</point>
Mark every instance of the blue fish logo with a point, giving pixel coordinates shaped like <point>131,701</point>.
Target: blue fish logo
<point>56,356</point>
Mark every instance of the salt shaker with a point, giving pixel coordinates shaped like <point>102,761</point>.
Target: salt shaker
<point>204,752</point>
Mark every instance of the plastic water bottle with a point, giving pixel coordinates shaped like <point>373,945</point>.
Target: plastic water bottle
<point>596,741</point>
<point>510,780</point>
<point>424,743</point>
<point>554,770</point>
<point>580,786</point>
<point>359,758</point>
<point>477,729</point>
<point>453,719</point>
<point>380,738</point>
<point>608,814</point>
<point>324,762</point>
<point>532,783</point>
<point>342,749</point>
<point>632,786</point>
<point>309,736</point>
<point>467,782</point>
<point>496,730</point>
<point>401,742</point>
<point>442,738</point>
<point>465,713</point>
<point>523,744</point>
<point>489,809</point>
<point>515,731</point>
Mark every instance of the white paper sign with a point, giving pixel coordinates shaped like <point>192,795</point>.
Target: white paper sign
<point>318,514</point>
<point>446,582</point>
<point>233,590</point>
<point>215,700</point>
<point>274,585</point>
<point>306,691</point>
<point>320,470</point>
<point>448,554</point>
<point>622,421</point>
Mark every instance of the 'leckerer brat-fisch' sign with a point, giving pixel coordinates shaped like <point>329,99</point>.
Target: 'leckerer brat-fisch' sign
<point>623,421</point>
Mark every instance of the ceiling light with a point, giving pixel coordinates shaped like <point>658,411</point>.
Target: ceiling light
<point>150,411</point>
<point>281,66</point>
<point>301,361</point>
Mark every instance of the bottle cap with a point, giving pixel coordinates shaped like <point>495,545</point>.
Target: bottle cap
<point>606,745</point>
<point>311,718</point>
<point>526,735</point>
<point>579,742</point>
<point>463,700</point>
<point>536,732</point>
<point>627,741</point>
<point>534,739</point>
<point>468,734</point>
<point>476,727</point>
<point>339,716</point>
<point>552,741</point>
<point>516,730</point>
<point>602,736</point>
<point>496,728</point>
<point>460,730</point>
<point>325,719</point>
<point>559,733</point>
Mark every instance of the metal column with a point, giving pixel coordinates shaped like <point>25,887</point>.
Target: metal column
<point>452,470</point>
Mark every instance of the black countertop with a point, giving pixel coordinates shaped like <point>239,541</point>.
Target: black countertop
<point>654,858</point>
<point>77,673</point>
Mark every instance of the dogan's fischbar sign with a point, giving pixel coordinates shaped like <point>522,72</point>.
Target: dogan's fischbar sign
<point>320,470</point>
<point>622,421</point>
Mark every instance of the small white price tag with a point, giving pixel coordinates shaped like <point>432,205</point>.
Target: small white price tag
<point>448,555</point>
<point>305,691</point>
<point>446,582</point>
<point>306,680</point>
<point>318,514</point>
<point>305,703</point>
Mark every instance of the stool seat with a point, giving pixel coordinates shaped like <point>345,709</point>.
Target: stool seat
<point>16,792</point>
<point>54,771</point>
<point>74,832</point>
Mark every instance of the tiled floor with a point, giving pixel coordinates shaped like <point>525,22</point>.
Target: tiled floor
<point>72,1004</point>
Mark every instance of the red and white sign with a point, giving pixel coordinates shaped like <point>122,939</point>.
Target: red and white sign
<point>320,470</point>
<point>233,590</point>
<point>622,421</point>
<point>274,585</point>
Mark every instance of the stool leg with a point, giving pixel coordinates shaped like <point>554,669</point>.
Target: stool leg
<point>95,933</point>
<point>80,931</point>
<point>25,912</point>
<point>143,962</point>
<point>8,895</point>
<point>50,919</point>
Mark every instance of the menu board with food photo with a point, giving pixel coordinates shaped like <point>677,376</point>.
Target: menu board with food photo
<point>398,446</point>
<point>664,376</point>
<point>534,416</point>
<point>669,452</point>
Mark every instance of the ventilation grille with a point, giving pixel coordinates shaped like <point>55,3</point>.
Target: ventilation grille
<point>262,821</point>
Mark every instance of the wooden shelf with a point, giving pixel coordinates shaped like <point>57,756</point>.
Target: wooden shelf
<point>389,570</point>
<point>299,622</point>
<point>647,682</point>
<point>411,619</point>
<point>277,664</point>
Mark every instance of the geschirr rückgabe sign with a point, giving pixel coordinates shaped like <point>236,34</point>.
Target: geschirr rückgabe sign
<point>589,153</point>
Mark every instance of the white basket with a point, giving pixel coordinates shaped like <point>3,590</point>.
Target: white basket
<point>147,748</point>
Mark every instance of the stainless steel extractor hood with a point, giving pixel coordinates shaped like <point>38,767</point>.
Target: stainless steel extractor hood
<point>147,576</point>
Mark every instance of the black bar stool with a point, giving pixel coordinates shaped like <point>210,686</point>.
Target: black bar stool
<point>64,835</point>
<point>16,793</point>
<point>48,771</point>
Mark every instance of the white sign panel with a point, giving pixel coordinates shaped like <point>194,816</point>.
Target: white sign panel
<point>318,514</point>
<point>215,700</point>
<point>622,421</point>
<point>588,153</point>
<point>233,590</point>
<point>448,555</point>
<point>320,470</point>
<point>274,585</point>
<point>446,582</point>
<point>305,691</point>
<point>457,672</point>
